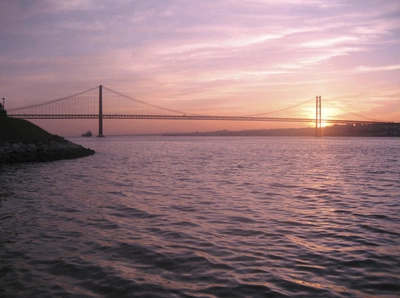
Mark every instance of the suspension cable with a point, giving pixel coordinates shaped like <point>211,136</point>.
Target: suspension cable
<point>52,101</point>
<point>336,106</point>
<point>284,109</point>
<point>148,104</point>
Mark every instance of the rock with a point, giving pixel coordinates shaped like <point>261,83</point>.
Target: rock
<point>16,147</point>
<point>22,141</point>
<point>41,152</point>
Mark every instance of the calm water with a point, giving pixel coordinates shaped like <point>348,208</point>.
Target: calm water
<point>205,217</point>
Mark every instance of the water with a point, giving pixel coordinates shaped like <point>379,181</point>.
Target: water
<point>205,217</point>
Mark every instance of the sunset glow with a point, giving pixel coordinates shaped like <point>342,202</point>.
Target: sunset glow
<point>205,57</point>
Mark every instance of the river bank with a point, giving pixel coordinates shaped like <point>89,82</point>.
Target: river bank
<point>22,141</point>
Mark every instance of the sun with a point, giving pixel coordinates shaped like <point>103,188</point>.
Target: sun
<point>328,113</point>
<point>324,124</point>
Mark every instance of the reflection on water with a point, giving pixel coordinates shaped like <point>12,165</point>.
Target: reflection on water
<point>205,217</point>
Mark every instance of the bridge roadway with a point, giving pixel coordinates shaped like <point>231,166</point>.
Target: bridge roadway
<point>188,117</point>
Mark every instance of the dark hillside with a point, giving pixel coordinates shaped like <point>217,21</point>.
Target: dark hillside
<point>14,130</point>
<point>22,141</point>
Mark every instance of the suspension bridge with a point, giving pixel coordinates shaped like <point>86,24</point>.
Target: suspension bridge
<point>104,103</point>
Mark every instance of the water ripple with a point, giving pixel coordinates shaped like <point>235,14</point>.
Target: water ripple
<point>205,217</point>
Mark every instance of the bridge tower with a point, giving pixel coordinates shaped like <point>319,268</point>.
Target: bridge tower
<point>100,135</point>
<point>318,120</point>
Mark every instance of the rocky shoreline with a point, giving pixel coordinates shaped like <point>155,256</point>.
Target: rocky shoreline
<point>41,151</point>
<point>23,141</point>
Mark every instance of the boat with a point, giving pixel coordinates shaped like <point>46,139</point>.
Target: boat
<point>87,134</point>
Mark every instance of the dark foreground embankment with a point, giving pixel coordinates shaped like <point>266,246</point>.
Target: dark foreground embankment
<point>22,141</point>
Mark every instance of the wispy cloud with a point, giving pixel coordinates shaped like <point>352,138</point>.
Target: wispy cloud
<point>328,42</point>
<point>378,68</point>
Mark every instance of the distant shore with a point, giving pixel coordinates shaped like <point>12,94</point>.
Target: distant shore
<point>371,130</point>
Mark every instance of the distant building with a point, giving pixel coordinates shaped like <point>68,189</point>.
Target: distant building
<point>3,112</point>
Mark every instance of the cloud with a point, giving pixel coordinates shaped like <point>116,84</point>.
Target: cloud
<point>70,5</point>
<point>328,42</point>
<point>231,43</point>
<point>377,68</point>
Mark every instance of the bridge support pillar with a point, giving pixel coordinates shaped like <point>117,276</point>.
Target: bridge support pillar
<point>318,119</point>
<point>100,135</point>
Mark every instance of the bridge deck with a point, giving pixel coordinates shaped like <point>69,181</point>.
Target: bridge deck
<point>188,117</point>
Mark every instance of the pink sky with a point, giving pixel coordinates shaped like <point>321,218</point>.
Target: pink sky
<point>206,57</point>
